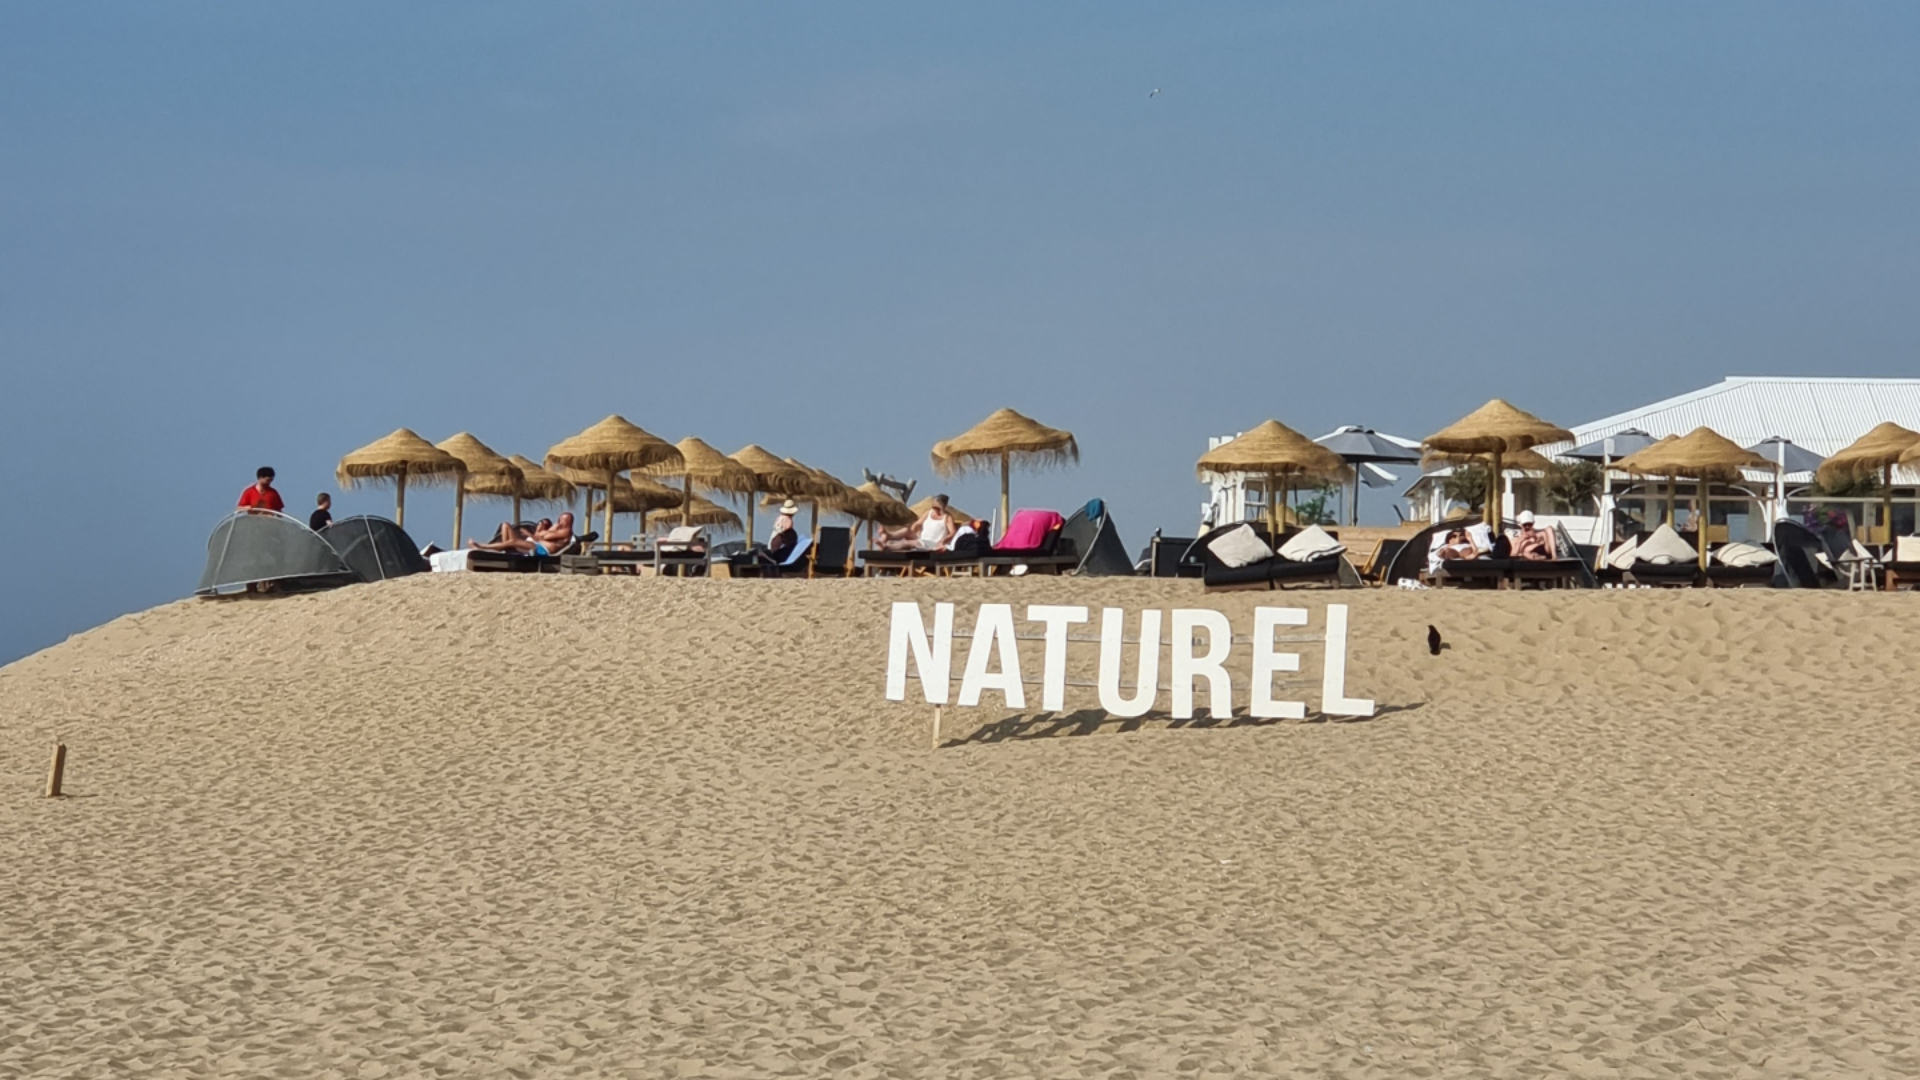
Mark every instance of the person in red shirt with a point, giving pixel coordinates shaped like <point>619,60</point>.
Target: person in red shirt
<point>261,495</point>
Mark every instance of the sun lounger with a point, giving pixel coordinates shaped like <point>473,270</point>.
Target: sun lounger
<point>1273,572</point>
<point>1049,554</point>
<point>512,562</point>
<point>831,555</point>
<point>882,563</point>
<point>752,564</point>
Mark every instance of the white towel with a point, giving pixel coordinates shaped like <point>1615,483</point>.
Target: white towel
<point>448,562</point>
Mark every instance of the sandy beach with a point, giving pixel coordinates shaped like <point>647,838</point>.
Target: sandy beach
<point>552,826</point>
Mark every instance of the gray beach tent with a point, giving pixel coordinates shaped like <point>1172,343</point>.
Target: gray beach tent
<point>252,547</point>
<point>1097,542</point>
<point>374,548</point>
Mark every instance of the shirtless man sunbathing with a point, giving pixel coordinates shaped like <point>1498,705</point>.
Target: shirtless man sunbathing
<point>530,541</point>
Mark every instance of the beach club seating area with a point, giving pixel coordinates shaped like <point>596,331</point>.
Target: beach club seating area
<point>615,467</point>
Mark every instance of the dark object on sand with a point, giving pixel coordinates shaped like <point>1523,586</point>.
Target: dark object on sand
<point>262,548</point>
<point>374,548</point>
<point>1434,643</point>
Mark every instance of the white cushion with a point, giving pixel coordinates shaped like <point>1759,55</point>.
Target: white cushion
<point>1240,546</point>
<point>681,538</point>
<point>1738,554</point>
<point>1664,548</point>
<point>1906,549</point>
<point>1621,558</point>
<point>1309,544</point>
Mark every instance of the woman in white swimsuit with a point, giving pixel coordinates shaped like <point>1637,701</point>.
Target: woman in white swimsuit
<point>930,533</point>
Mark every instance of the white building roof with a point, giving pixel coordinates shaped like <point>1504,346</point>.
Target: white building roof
<point>1821,414</point>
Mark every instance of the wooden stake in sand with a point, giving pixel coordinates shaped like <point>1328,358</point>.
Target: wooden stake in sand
<point>936,727</point>
<point>57,770</point>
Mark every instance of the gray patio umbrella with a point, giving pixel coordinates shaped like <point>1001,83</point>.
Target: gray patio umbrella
<point>1791,458</point>
<point>1363,446</point>
<point>1789,455</point>
<point>1606,450</point>
<point>1611,448</point>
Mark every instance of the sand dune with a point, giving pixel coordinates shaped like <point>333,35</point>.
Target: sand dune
<point>467,826</point>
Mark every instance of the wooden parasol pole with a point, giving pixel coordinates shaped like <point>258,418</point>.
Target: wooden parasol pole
<point>516,504</point>
<point>400,501</point>
<point>1498,481</point>
<point>1006,503</point>
<point>1705,519</point>
<point>459,507</point>
<point>606,538</point>
<point>751,499</point>
<point>1886,494</point>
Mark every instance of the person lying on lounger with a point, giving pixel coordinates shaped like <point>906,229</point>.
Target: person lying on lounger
<point>530,541</point>
<point>1532,543</point>
<point>931,533</point>
<point>1459,545</point>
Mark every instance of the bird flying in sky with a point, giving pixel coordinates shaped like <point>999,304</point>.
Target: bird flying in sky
<point>1154,92</point>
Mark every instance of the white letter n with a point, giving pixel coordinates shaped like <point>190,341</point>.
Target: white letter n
<point>933,662</point>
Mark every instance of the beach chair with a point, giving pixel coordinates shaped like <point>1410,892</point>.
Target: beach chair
<point>1174,556</point>
<point>750,564</point>
<point>1903,569</point>
<point>680,553</point>
<point>1384,554</point>
<point>1231,562</point>
<point>832,553</point>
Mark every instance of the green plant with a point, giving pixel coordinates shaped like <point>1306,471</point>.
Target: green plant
<point>1317,509</point>
<point>1574,487</point>
<point>1468,485</point>
<point>1856,486</point>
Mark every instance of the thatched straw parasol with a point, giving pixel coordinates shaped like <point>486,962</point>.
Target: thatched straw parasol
<point>1704,455</point>
<point>882,508</point>
<point>702,511</point>
<point>772,476</point>
<point>611,447</point>
<point>1878,451</point>
<point>1005,439</point>
<point>640,495</point>
<point>480,460</point>
<point>1276,452</point>
<point>825,492</point>
<point>877,506</point>
<point>920,510</point>
<point>704,468</point>
<point>533,484</point>
<point>400,457</point>
<point>1496,429</point>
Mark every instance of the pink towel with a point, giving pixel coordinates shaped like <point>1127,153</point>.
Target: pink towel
<point>1028,530</point>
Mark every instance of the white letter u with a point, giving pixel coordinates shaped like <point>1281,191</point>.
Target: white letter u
<point>1146,685</point>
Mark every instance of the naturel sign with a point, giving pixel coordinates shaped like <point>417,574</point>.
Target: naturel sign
<point>1200,646</point>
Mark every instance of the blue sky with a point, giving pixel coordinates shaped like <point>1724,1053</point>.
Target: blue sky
<point>237,233</point>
